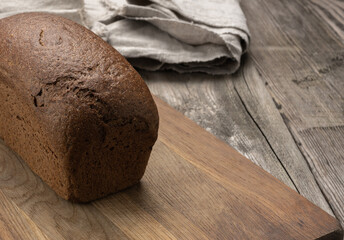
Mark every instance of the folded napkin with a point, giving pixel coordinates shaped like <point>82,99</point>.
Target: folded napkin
<point>183,35</point>
<point>65,8</point>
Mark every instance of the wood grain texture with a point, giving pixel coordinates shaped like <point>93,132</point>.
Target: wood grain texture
<point>55,217</point>
<point>14,224</point>
<point>294,72</point>
<point>265,112</point>
<point>330,13</point>
<point>229,108</point>
<point>195,187</point>
<point>301,60</point>
<point>214,104</point>
<point>283,108</point>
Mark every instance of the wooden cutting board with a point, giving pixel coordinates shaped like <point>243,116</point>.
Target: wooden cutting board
<point>195,187</point>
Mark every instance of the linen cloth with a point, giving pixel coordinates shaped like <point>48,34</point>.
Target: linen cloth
<point>183,35</point>
<point>71,9</point>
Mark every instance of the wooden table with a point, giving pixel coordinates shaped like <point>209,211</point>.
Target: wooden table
<point>284,109</point>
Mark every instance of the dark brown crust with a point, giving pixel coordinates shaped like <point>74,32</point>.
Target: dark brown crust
<point>72,107</point>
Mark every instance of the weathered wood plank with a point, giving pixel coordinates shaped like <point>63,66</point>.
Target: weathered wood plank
<point>330,12</point>
<point>302,62</point>
<point>214,104</point>
<point>265,112</point>
<point>330,152</point>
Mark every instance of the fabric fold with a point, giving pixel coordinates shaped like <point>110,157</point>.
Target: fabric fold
<point>182,35</point>
<point>208,36</point>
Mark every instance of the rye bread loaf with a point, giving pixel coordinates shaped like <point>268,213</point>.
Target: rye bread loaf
<point>72,107</point>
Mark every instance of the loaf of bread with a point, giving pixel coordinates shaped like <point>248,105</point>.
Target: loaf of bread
<point>72,107</point>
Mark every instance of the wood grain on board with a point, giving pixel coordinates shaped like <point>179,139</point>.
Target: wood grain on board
<point>195,187</point>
